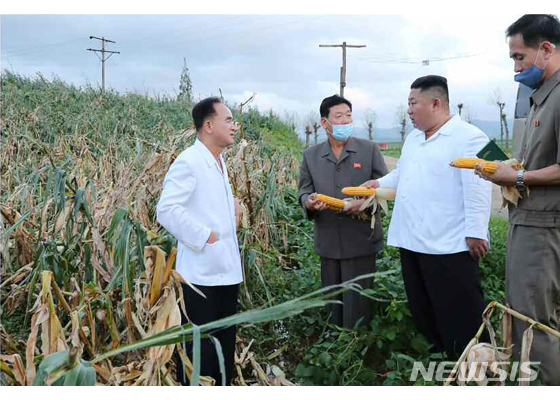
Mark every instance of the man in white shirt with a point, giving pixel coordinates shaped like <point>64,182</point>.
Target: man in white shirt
<point>197,207</point>
<point>440,218</point>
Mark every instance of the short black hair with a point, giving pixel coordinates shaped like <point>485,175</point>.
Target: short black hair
<point>433,82</point>
<point>204,109</point>
<point>329,102</point>
<point>536,28</point>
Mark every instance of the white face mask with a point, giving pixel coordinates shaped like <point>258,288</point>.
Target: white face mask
<point>342,132</point>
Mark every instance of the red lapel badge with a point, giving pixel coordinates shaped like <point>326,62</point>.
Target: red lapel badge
<point>537,123</point>
<point>357,165</point>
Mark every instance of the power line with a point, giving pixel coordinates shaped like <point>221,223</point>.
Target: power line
<point>103,59</point>
<point>425,62</point>
<point>35,49</point>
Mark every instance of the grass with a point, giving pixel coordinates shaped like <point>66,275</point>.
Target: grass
<point>393,150</point>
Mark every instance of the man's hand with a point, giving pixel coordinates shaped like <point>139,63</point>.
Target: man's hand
<point>313,204</point>
<point>371,184</point>
<point>477,247</point>
<point>353,206</point>
<point>504,176</point>
<point>212,239</point>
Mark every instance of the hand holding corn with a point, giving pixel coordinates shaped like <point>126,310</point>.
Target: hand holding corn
<point>314,203</point>
<point>331,203</point>
<point>502,173</point>
<point>489,167</point>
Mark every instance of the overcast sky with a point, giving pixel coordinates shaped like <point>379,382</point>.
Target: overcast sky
<point>276,56</point>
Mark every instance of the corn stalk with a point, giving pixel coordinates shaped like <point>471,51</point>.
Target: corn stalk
<point>506,339</point>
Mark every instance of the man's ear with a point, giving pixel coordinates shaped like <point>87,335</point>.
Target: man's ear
<point>207,125</point>
<point>324,123</point>
<point>549,48</point>
<point>437,103</point>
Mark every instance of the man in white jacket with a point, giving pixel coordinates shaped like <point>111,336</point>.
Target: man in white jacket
<point>440,218</point>
<point>197,207</point>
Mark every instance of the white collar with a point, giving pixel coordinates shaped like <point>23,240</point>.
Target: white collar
<point>445,129</point>
<point>206,153</point>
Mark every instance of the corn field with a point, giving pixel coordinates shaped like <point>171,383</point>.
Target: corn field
<point>89,294</point>
<point>86,267</point>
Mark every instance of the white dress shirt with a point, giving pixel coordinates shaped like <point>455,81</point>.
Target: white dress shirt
<point>197,200</point>
<point>438,206</point>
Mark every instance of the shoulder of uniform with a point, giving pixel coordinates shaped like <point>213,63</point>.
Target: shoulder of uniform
<point>313,149</point>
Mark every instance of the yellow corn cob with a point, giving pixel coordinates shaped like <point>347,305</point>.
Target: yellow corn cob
<point>331,202</point>
<point>487,166</point>
<point>359,191</point>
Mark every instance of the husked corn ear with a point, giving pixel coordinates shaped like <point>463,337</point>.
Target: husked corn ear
<point>359,191</point>
<point>487,166</point>
<point>331,202</point>
<point>385,193</point>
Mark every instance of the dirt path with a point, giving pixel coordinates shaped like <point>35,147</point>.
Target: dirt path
<point>496,194</point>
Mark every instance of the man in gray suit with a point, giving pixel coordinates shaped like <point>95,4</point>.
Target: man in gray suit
<point>344,242</point>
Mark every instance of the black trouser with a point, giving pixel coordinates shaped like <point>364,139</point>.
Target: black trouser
<point>445,298</point>
<point>220,302</point>
<point>354,306</point>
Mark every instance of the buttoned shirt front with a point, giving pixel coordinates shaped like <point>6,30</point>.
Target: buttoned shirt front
<point>540,148</point>
<point>197,200</point>
<point>438,206</point>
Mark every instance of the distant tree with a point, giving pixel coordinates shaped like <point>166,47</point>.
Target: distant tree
<point>460,108</point>
<point>401,117</point>
<point>185,84</point>
<point>313,120</point>
<point>496,100</point>
<point>467,114</point>
<point>370,118</point>
<point>308,133</point>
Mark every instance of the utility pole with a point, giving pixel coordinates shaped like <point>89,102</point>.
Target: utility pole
<point>343,68</point>
<point>103,59</point>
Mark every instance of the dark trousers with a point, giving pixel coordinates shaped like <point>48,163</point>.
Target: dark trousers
<point>445,298</point>
<point>220,302</point>
<point>354,306</point>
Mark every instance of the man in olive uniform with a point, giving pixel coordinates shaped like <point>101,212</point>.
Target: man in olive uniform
<point>344,242</point>
<point>533,254</point>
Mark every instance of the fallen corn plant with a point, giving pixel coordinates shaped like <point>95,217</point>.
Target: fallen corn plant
<point>491,354</point>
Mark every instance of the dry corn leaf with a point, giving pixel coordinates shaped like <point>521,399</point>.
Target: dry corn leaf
<point>157,257</point>
<point>19,275</point>
<point>18,369</point>
<point>30,370</point>
<point>169,266</point>
<point>526,343</point>
<point>61,219</point>
<point>259,373</point>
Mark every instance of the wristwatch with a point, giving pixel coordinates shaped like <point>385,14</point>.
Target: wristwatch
<point>520,183</point>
